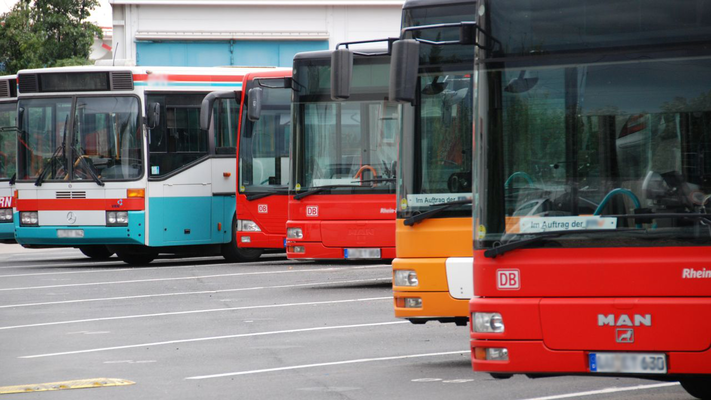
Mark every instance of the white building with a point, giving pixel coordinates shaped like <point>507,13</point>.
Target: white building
<point>243,32</point>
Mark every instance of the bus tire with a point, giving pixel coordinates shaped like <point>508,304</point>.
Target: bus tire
<point>136,258</point>
<point>697,386</point>
<point>97,252</point>
<point>232,253</point>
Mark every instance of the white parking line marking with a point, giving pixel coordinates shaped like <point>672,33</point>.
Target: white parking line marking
<point>99,267</point>
<point>606,391</point>
<point>290,271</point>
<point>144,296</point>
<point>241,335</point>
<point>358,361</point>
<point>311,303</point>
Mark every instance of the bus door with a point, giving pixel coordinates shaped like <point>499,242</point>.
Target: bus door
<point>180,188</point>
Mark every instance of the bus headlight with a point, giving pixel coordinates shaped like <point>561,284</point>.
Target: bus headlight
<point>491,353</point>
<point>404,277</point>
<point>294,233</point>
<point>117,218</point>
<point>29,218</point>
<point>245,225</point>
<point>487,322</point>
<point>5,214</point>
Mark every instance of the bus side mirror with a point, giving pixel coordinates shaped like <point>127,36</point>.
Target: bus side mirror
<point>341,71</point>
<point>404,65</point>
<point>153,115</point>
<point>209,101</point>
<point>254,108</point>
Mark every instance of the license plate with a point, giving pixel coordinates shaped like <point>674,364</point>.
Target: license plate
<point>361,253</point>
<point>628,363</point>
<point>70,233</point>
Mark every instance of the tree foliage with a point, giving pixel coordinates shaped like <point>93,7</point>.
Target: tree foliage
<point>46,33</point>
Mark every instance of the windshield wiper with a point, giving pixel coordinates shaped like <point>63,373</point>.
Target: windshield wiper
<point>90,169</point>
<point>256,196</point>
<point>643,218</point>
<point>504,248</point>
<point>320,189</point>
<point>431,213</point>
<point>376,180</point>
<point>49,163</point>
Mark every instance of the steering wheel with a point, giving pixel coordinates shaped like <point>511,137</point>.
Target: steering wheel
<point>359,174</point>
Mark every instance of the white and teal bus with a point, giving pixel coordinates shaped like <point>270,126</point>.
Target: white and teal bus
<point>113,160</point>
<point>8,113</point>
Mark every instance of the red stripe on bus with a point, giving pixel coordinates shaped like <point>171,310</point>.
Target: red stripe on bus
<point>80,204</point>
<point>190,78</point>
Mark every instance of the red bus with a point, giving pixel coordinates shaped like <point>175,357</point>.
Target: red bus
<point>592,248</point>
<point>261,115</point>
<point>343,162</point>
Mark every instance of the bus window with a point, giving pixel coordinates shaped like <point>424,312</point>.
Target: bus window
<point>178,141</point>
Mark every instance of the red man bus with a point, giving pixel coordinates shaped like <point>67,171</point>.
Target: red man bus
<point>592,247</point>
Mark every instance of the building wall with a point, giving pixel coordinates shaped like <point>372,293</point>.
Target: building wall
<point>239,34</point>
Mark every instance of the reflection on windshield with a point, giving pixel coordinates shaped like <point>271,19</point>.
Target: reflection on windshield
<point>580,143</point>
<point>264,145</point>
<point>8,116</point>
<point>350,143</point>
<point>106,139</point>
<point>104,143</point>
<point>443,170</point>
<point>44,126</point>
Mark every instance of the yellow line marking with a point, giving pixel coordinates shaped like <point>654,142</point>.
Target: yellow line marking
<point>77,384</point>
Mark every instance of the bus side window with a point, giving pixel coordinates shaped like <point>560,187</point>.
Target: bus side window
<point>225,115</point>
<point>178,141</point>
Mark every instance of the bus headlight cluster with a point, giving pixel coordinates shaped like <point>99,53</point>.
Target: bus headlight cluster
<point>29,218</point>
<point>491,353</point>
<point>5,214</point>
<point>245,225</point>
<point>116,218</point>
<point>487,322</point>
<point>294,233</point>
<point>404,277</point>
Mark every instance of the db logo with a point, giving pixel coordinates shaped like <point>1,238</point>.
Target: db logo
<point>508,279</point>
<point>312,211</point>
<point>263,209</point>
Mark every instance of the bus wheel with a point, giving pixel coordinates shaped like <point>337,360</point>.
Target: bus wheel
<point>699,387</point>
<point>98,252</point>
<point>232,253</point>
<point>136,258</point>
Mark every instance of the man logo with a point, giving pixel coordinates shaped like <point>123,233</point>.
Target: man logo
<point>624,335</point>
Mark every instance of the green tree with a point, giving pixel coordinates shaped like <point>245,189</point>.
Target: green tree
<point>46,33</point>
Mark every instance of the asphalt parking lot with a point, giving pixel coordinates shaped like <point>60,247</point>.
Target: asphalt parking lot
<point>272,329</point>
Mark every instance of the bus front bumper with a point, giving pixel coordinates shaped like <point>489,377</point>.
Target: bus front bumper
<point>432,293</point>
<point>134,233</point>
<point>533,357</point>
<point>7,232</point>
<point>316,250</point>
<point>260,240</point>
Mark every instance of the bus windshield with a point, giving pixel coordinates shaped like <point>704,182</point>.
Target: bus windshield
<point>8,116</point>
<point>349,146</point>
<point>104,141</point>
<point>566,147</point>
<point>264,144</point>
<point>437,150</point>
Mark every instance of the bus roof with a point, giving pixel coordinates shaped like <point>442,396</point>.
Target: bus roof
<point>326,54</point>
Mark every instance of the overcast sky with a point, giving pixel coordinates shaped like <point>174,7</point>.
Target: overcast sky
<point>101,15</point>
